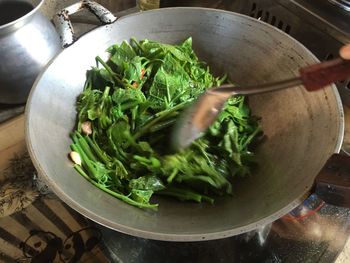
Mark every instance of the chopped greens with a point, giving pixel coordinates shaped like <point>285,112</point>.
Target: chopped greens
<point>128,106</point>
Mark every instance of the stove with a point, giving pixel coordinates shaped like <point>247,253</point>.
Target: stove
<point>323,26</point>
<point>314,231</point>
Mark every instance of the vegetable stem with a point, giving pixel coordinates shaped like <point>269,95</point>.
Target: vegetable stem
<point>115,194</point>
<point>109,70</point>
<point>158,117</point>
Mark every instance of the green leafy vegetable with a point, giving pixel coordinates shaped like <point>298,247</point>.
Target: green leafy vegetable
<point>131,101</point>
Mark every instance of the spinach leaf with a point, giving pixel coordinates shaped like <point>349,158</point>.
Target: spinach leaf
<point>131,102</point>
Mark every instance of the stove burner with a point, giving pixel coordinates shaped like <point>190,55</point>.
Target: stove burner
<point>344,4</point>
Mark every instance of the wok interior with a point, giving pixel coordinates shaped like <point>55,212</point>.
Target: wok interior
<point>302,128</point>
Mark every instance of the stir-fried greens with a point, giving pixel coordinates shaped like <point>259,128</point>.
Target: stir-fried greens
<point>125,116</point>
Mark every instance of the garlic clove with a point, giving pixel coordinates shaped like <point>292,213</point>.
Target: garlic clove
<point>86,127</point>
<point>75,157</point>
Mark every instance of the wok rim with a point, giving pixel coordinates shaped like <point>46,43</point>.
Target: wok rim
<point>168,236</point>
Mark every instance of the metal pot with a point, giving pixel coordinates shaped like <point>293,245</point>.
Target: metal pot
<point>28,41</point>
<point>303,129</point>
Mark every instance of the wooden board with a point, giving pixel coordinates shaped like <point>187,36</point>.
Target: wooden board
<point>35,227</point>
<point>11,141</point>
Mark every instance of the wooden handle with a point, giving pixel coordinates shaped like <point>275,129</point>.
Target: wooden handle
<point>320,75</point>
<point>333,182</point>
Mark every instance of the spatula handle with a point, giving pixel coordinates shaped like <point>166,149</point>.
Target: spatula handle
<point>317,76</point>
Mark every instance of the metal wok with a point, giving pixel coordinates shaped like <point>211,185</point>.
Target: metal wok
<point>303,129</point>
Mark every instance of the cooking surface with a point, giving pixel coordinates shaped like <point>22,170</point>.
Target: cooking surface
<point>314,232</point>
<point>317,237</point>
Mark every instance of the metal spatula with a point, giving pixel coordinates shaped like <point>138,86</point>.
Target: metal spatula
<point>199,116</point>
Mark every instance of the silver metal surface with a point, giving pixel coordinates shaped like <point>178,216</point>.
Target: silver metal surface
<point>204,111</point>
<point>303,129</point>
<point>64,25</point>
<point>26,45</point>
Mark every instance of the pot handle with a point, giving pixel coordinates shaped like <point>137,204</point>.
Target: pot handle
<point>64,25</point>
<point>332,184</point>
